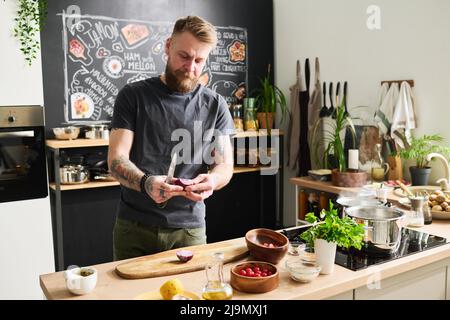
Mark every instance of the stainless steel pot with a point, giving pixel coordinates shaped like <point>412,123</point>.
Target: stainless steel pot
<point>382,226</point>
<point>97,131</point>
<point>73,174</point>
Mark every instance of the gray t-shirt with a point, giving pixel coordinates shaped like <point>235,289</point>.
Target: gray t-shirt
<point>153,112</point>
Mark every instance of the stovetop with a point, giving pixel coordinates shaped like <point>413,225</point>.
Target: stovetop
<point>412,241</point>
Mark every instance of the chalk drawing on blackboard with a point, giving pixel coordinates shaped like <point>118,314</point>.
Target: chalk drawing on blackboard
<point>117,46</point>
<point>158,47</point>
<point>138,77</point>
<point>82,105</point>
<point>241,92</point>
<point>79,51</point>
<point>236,51</point>
<point>75,83</point>
<point>224,87</point>
<point>102,53</point>
<point>135,35</point>
<point>113,67</point>
<point>77,27</point>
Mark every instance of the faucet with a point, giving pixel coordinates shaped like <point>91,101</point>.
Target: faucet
<point>444,182</point>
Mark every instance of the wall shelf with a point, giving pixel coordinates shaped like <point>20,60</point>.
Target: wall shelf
<point>76,143</point>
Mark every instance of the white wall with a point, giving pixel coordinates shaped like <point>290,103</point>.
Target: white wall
<point>411,44</point>
<point>26,245</point>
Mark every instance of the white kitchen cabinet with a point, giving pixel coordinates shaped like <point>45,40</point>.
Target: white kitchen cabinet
<point>426,283</point>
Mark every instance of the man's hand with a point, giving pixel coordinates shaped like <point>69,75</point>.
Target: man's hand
<point>203,187</point>
<point>160,191</point>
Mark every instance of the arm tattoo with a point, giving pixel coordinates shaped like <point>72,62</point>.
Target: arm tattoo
<point>126,172</point>
<point>149,184</point>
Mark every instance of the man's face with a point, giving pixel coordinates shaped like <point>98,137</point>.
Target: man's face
<point>186,57</point>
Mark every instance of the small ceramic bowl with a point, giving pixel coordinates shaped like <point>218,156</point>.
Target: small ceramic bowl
<point>266,245</point>
<point>253,283</point>
<point>80,281</point>
<point>301,270</point>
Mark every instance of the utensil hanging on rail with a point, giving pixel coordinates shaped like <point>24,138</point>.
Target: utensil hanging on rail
<point>330,94</point>
<point>324,110</point>
<point>346,114</point>
<point>337,99</point>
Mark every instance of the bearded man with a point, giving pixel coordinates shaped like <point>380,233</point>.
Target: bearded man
<point>153,214</point>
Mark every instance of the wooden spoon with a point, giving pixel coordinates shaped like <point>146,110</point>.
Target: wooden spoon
<point>405,188</point>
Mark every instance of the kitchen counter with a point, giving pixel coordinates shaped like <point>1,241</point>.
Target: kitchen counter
<point>342,281</point>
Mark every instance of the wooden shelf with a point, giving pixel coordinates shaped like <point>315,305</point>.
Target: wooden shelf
<point>102,184</point>
<point>88,185</point>
<point>76,143</point>
<point>80,143</point>
<point>250,134</point>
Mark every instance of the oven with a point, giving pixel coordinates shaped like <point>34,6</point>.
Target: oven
<point>23,170</point>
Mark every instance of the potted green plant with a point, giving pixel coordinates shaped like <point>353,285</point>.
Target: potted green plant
<point>418,150</point>
<point>268,97</point>
<point>333,148</point>
<point>329,233</point>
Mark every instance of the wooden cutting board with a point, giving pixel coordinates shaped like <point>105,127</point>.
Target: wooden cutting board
<point>166,263</point>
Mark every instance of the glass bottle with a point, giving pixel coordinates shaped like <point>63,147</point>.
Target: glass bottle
<point>236,111</point>
<point>427,215</point>
<point>249,114</point>
<point>216,288</point>
<point>379,167</point>
<point>416,218</point>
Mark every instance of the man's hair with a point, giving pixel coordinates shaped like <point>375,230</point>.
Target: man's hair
<point>201,29</point>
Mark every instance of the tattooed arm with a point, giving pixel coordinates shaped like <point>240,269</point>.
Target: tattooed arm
<point>126,172</point>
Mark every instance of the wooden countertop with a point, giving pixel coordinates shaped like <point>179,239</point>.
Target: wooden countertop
<point>111,286</point>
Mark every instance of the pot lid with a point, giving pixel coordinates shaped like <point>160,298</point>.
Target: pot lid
<point>375,213</point>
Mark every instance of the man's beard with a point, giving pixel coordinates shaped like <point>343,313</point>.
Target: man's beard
<point>180,81</point>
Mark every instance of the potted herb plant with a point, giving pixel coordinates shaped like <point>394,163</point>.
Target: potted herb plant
<point>334,148</point>
<point>418,150</point>
<point>331,232</point>
<point>268,97</point>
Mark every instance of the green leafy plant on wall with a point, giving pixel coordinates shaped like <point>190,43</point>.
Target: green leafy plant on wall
<point>29,21</point>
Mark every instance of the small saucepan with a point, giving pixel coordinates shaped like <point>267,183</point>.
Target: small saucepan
<point>74,174</point>
<point>382,224</point>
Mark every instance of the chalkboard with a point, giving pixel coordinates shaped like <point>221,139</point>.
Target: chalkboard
<point>91,49</point>
<point>102,54</point>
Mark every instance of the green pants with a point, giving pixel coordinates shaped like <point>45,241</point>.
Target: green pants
<point>132,239</point>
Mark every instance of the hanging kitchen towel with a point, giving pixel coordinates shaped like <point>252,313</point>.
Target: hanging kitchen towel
<point>294,124</point>
<point>314,106</point>
<point>383,116</point>
<point>304,162</point>
<point>382,94</point>
<point>404,118</point>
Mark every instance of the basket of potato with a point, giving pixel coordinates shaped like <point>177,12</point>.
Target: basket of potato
<point>439,203</point>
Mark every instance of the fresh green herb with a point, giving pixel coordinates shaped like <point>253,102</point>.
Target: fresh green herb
<point>344,232</point>
<point>29,21</point>
<point>268,97</point>
<point>421,147</point>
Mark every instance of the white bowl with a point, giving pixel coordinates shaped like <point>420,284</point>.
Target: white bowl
<point>80,280</point>
<point>302,271</point>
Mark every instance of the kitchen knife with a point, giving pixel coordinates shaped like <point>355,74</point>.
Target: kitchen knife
<point>169,179</point>
<point>170,173</point>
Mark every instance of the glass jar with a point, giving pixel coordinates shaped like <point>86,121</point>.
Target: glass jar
<point>236,112</point>
<point>216,288</point>
<point>250,114</point>
<point>379,167</point>
<point>427,215</point>
<point>416,217</point>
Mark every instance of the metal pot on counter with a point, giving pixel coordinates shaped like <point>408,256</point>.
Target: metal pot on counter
<point>74,174</point>
<point>97,131</point>
<point>382,226</point>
